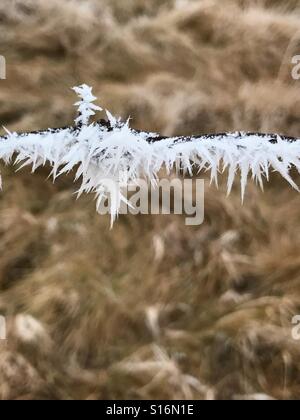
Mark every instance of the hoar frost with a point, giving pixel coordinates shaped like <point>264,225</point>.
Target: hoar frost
<point>113,151</point>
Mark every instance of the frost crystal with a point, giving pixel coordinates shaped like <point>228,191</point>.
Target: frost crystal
<point>86,108</point>
<point>113,151</point>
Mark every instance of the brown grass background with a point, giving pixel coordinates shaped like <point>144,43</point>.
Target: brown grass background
<point>151,309</point>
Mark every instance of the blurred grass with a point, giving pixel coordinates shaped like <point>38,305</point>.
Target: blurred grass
<point>151,309</point>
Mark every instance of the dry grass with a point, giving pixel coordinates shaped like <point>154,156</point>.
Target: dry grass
<point>151,309</point>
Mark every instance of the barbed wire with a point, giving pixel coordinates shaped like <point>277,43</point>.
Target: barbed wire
<point>111,150</point>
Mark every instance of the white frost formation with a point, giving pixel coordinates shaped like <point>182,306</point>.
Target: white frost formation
<point>113,151</point>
